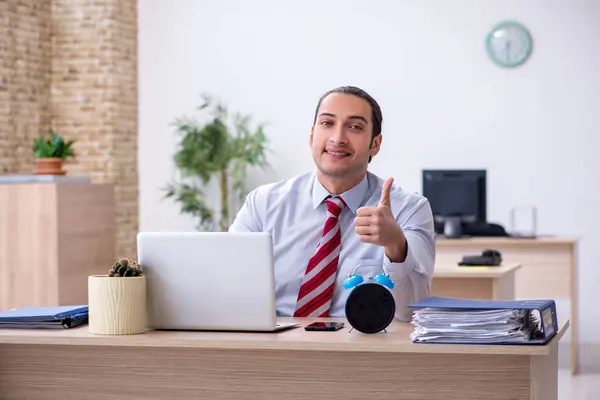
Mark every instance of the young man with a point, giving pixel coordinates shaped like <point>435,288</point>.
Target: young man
<point>325,223</point>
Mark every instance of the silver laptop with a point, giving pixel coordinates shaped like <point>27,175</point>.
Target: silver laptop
<point>209,281</point>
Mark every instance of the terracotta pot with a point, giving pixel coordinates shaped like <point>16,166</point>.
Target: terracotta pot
<point>49,166</point>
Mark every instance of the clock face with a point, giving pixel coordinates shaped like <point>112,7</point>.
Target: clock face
<point>509,44</point>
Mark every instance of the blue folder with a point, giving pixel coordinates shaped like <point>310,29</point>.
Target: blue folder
<point>44,317</point>
<point>545,308</point>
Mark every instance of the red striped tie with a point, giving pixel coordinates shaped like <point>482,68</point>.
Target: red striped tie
<point>316,291</point>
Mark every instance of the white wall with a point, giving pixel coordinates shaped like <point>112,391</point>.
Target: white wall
<point>445,105</point>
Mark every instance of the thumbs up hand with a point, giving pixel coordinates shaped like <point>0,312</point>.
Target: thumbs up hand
<point>385,194</point>
<point>377,225</point>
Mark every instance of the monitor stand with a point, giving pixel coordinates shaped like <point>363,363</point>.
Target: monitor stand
<point>453,227</point>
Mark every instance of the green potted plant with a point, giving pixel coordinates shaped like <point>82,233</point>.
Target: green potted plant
<point>117,300</point>
<point>222,147</point>
<point>50,152</point>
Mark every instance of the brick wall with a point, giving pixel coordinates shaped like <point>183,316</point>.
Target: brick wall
<point>25,57</point>
<point>72,65</point>
<point>94,98</point>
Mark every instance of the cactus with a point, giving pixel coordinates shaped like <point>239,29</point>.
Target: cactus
<point>125,267</point>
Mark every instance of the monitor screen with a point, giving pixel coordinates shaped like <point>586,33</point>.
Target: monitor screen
<point>456,194</point>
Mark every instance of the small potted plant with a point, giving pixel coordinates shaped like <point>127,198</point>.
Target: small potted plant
<point>117,300</point>
<point>50,152</point>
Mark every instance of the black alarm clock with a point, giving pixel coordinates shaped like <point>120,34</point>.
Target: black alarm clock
<point>370,306</point>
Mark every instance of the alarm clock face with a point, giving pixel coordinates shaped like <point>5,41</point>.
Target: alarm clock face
<point>509,44</point>
<point>370,308</point>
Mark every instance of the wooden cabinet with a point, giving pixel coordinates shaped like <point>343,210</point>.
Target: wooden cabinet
<point>480,283</point>
<point>54,232</point>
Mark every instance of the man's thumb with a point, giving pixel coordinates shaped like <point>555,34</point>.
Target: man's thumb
<point>385,193</point>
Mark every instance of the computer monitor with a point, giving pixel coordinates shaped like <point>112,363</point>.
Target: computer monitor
<point>457,197</point>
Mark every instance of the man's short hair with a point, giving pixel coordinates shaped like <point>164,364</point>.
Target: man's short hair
<point>376,115</point>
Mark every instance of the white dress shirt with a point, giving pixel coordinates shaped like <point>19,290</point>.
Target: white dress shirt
<point>294,212</point>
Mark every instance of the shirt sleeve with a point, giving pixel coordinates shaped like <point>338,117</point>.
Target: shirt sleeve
<point>248,218</point>
<point>412,277</point>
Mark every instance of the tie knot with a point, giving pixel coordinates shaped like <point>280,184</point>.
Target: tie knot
<point>335,206</point>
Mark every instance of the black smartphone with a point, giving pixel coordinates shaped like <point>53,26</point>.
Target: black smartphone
<point>324,326</point>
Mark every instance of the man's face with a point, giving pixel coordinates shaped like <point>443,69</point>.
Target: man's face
<point>341,137</point>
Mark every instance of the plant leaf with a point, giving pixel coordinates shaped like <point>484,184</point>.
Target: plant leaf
<point>205,149</point>
<point>52,146</point>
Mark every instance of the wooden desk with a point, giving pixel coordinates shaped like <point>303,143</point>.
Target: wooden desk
<point>487,283</point>
<point>293,364</point>
<point>549,270</point>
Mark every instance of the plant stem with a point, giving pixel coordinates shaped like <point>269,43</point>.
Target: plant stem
<point>224,200</point>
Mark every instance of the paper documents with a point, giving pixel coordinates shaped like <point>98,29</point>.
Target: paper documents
<point>473,326</point>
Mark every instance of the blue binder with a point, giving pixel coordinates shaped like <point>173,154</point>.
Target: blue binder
<point>44,317</point>
<point>544,308</point>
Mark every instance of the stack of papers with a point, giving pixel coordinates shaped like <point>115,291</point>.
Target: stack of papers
<point>470,321</point>
<point>473,326</point>
<point>44,317</point>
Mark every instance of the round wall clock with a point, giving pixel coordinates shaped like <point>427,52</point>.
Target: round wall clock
<point>509,44</point>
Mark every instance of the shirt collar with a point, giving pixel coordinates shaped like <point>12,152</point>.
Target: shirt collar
<point>352,197</point>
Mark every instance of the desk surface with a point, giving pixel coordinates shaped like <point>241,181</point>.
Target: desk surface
<point>396,340</point>
<point>441,241</point>
<point>336,365</point>
<point>453,270</point>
